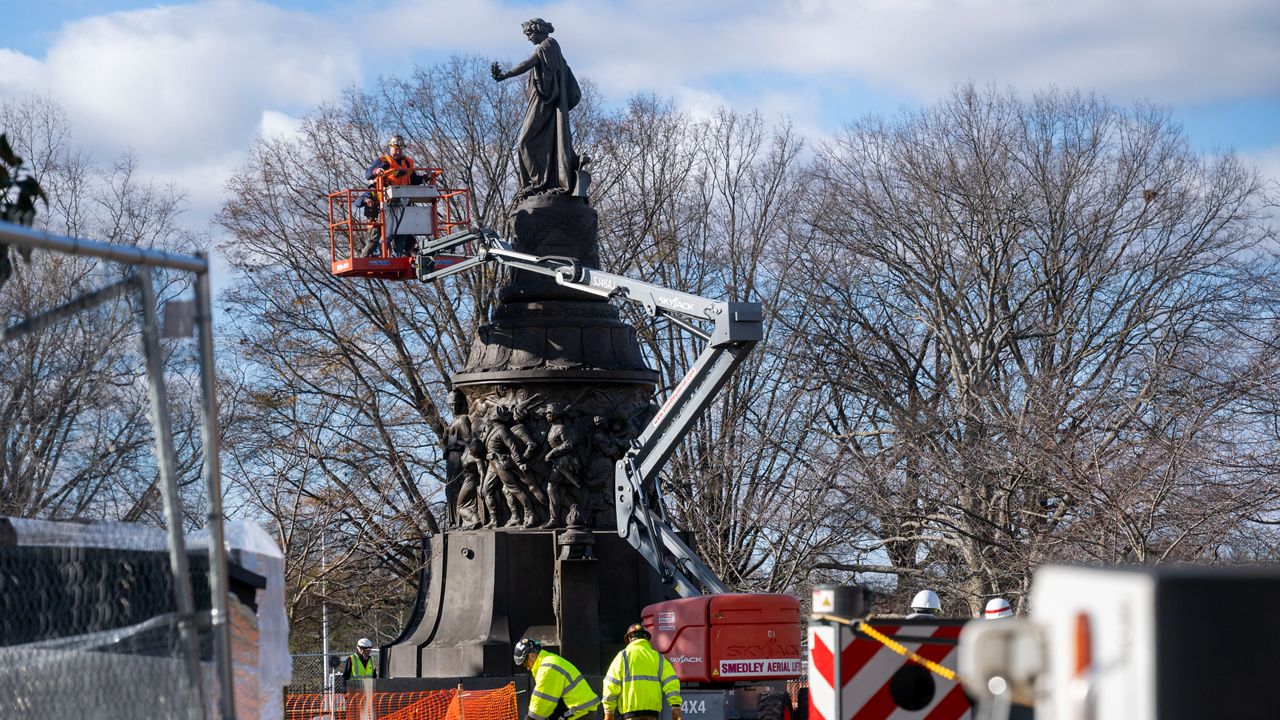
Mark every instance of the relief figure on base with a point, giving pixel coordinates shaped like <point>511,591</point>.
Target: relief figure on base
<point>455,445</point>
<point>505,469</point>
<point>563,483</point>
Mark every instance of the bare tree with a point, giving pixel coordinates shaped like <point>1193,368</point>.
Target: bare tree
<point>998,333</point>
<point>75,439</point>
<point>1028,339</point>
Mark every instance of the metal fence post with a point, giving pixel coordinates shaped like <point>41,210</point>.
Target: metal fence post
<point>165,464</point>
<point>218,583</point>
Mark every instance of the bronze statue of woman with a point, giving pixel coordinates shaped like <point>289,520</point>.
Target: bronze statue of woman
<point>547,161</point>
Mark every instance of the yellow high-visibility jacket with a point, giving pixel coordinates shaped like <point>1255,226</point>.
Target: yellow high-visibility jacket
<point>556,679</point>
<point>640,680</point>
<point>361,669</point>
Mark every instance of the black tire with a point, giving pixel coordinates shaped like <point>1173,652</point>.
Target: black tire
<point>773,705</point>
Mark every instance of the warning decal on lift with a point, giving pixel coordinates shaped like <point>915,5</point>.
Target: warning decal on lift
<point>765,666</point>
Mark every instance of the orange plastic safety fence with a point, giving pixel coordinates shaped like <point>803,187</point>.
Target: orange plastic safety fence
<point>499,704</point>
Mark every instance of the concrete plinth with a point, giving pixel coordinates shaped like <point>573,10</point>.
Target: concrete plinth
<point>484,590</point>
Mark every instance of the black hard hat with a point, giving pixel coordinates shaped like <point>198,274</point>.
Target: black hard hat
<point>636,630</point>
<point>524,648</point>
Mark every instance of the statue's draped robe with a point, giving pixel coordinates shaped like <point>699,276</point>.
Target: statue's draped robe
<point>547,160</point>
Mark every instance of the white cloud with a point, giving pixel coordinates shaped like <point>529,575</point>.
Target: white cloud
<point>476,26</point>
<point>185,84</point>
<point>1268,163</point>
<point>698,104</point>
<point>278,126</point>
<point>202,185</point>
<point>189,80</point>
<point>19,73</point>
<point>187,87</point>
<point>1165,50</point>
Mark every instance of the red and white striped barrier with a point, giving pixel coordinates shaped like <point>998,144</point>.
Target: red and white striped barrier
<point>876,683</point>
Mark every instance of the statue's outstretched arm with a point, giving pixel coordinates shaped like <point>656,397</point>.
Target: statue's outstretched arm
<point>520,69</point>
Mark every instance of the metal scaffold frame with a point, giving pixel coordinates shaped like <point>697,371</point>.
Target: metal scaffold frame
<point>140,281</point>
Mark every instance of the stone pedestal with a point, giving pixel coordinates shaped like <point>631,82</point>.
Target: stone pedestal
<point>551,226</point>
<point>484,590</point>
<point>577,592</point>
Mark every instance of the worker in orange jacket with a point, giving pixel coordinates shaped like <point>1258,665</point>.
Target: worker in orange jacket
<point>391,168</point>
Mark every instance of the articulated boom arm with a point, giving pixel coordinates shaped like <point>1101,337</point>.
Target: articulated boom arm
<point>736,329</point>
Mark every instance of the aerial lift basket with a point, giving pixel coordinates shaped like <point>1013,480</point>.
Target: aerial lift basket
<point>423,211</point>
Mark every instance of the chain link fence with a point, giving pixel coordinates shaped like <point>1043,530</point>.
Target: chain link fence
<point>312,673</point>
<point>90,625</point>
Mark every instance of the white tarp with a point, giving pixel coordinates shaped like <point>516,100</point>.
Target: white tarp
<point>97,534</point>
<point>258,553</point>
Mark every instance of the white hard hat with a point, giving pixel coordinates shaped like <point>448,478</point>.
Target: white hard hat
<point>926,600</point>
<point>997,608</point>
<point>364,643</point>
<point>395,141</point>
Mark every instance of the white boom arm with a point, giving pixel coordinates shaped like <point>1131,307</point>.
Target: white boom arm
<point>736,328</point>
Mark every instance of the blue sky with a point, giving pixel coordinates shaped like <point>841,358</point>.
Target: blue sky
<point>188,85</point>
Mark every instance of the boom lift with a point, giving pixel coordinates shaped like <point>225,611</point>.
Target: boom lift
<point>733,652</point>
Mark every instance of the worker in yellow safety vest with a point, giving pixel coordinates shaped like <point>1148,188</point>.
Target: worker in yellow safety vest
<point>360,665</point>
<point>640,680</point>
<point>559,690</point>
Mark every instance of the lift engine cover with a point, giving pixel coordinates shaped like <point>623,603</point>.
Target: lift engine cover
<point>728,638</point>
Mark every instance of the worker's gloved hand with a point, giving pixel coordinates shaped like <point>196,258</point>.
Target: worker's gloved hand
<point>496,70</point>
<point>675,712</point>
<point>608,715</point>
